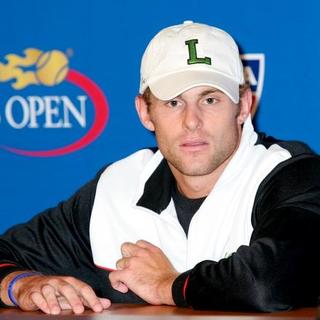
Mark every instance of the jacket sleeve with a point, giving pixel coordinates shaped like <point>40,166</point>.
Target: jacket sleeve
<point>279,270</point>
<point>54,242</point>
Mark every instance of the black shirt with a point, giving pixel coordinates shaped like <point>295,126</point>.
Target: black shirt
<point>185,207</point>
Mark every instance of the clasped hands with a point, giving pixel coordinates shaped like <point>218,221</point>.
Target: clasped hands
<point>143,268</point>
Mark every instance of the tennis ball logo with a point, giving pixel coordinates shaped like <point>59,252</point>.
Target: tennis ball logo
<point>51,68</point>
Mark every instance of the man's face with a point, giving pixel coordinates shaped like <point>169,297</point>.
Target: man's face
<point>198,131</point>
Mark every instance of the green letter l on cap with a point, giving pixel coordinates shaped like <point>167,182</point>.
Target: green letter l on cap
<point>193,59</point>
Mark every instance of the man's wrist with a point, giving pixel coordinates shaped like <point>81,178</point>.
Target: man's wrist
<point>13,282</point>
<point>166,291</point>
<point>6,268</point>
<point>5,287</point>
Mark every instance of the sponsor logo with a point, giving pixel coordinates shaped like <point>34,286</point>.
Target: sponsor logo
<point>57,122</point>
<point>254,65</point>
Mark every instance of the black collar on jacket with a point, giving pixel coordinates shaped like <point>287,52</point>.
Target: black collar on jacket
<point>157,190</point>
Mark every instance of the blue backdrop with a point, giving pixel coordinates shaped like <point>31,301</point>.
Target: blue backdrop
<point>67,105</point>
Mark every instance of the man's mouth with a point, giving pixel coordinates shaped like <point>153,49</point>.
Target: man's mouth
<point>196,145</point>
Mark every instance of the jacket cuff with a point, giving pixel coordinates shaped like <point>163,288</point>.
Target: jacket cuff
<point>7,267</point>
<point>179,289</point>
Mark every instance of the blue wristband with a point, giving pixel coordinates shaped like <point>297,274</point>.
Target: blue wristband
<point>14,280</point>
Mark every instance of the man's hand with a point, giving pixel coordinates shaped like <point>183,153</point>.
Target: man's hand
<point>51,294</point>
<point>146,271</point>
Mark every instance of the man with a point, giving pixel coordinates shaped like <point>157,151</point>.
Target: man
<point>219,217</point>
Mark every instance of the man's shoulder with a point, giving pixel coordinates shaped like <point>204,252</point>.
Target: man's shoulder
<point>300,169</point>
<point>135,161</point>
<point>303,168</point>
<point>294,147</point>
<point>131,170</point>
<point>293,181</point>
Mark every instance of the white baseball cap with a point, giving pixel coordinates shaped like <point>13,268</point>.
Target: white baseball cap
<point>184,56</point>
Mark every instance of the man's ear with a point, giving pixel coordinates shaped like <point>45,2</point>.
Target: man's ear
<point>245,106</point>
<point>143,113</point>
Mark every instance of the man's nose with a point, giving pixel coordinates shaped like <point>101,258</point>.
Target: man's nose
<point>192,117</point>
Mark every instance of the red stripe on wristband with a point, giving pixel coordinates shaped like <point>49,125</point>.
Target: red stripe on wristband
<point>3,265</point>
<point>185,287</point>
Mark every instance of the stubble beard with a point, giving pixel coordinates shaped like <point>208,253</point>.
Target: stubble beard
<point>196,164</point>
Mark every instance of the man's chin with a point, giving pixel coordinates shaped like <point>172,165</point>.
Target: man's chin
<point>195,170</point>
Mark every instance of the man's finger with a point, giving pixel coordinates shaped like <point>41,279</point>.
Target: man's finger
<point>106,303</point>
<point>90,299</point>
<point>49,293</point>
<point>129,249</point>
<point>116,283</point>
<point>40,302</point>
<point>72,297</point>
<point>63,303</point>
<point>146,245</point>
<point>123,263</point>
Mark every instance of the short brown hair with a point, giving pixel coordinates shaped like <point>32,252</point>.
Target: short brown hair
<point>147,93</point>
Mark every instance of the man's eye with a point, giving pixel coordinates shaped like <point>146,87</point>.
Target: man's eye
<point>172,103</point>
<point>210,100</point>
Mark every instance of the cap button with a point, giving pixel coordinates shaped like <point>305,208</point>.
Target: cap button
<point>187,22</point>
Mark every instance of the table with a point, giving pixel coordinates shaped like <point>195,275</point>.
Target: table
<point>148,312</point>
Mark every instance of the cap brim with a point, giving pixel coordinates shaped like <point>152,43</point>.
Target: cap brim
<point>172,85</point>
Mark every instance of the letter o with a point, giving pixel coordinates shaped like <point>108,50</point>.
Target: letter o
<point>25,109</point>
